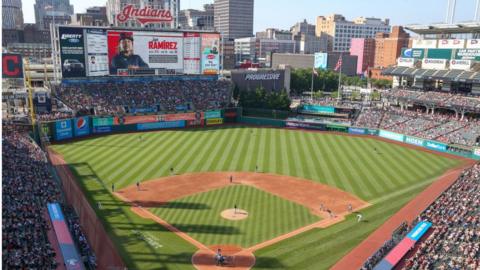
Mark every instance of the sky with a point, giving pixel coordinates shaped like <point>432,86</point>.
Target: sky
<point>285,13</point>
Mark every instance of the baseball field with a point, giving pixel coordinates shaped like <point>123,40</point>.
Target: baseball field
<point>285,192</point>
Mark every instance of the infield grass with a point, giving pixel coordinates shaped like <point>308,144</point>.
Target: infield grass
<point>388,177</point>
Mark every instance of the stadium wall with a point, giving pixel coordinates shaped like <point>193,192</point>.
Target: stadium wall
<point>107,255</point>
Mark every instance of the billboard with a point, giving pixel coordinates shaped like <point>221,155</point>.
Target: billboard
<point>144,50</point>
<point>144,15</point>
<point>424,43</point>
<point>405,62</point>
<point>476,152</point>
<point>461,64</point>
<point>439,54</point>
<point>183,116</point>
<point>12,66</point>
<point>412,53</point>
<point>428,63</point>
<point>161,125</point>
<point>214,121</point>
<point>436,146</point>
<point>72,52</point>
<point>357,131</point>
<point>414,141</point>
<point>451,43</point>
<point>96,52</point>
<point>468,54</point>
<point>473,44</point>
<point>191,53</point>
<point>210,54</point>
<point>213,114</point>
<point>82,126</point>
<point>391,135</point>
<point>63,129</point>
<point>321,60</point>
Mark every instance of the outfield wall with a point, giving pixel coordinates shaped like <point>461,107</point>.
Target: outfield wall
<point>105,250</point>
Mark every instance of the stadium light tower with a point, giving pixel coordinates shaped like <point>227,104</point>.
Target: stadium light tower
<point>477,11</point>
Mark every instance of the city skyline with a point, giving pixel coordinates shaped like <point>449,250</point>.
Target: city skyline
<point>286,15</point>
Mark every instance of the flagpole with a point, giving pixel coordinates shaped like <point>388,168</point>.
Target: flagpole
<point>340,78</point>
<point>311,88</point>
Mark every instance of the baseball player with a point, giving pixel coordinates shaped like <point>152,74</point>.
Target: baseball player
<point>138,185</point>
<point>359,217</point>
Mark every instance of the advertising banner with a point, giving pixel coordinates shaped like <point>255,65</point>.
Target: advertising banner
<point>102,121</point>
<point>373,132</point>
<point>152,109</point>
<point>318,109</point>
<point>161,125</point>
<point>424,43</point>
<point>102,129</point>
<point>359,131</point>
<point>405,62</point>
<point>451,43</point>
<point>436,146</point>
<point>321,60</point>
<point>63,129</point>
<point>461,64</point>
<point>419,230</point>
<point>468,54</point>
<point>439,54</point>
<point>12,66</point>
<point>213,114</point>
<point>214,121</point>
<point>210,54</point>
<point>473,44</point>
<point>391,135</point>
<point>306,125</point>
<point>72,52</point>
<point>476,152</point>
<point>414,141</point>
<point>183,116</point>
<point>192,123</point>
<point>144,50</point>
<point>126,120</point>
<point>412,53</point>
<point>428,63</point>
<point>231,114</point>
<point>191,53</point>
<point>71,258</point>
<point>82,126</point>
<point>96,52</point>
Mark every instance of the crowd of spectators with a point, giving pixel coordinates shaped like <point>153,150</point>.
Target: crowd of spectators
<point>113,98</point>
<point>439,126</point>
<point>27,187</point>
<point>81,240</point>
<point>455,239</point>
<point>397,236</point>
<point>438,98</point>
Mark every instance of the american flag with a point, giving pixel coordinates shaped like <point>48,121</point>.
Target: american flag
<point>339,64</point>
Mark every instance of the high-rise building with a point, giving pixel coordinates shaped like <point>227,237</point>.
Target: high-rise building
<point>256,49</point>
<point>234,18</point>
<point>120,7</point>
<point>49,11</point>
<point>272,33</point>
<point>388,46</point>
<point>364,49</point>
<point>303,28</point>
<point>12,14</point>
<point>197,19</point>
<point>94,16</point>
<point>340,31</point>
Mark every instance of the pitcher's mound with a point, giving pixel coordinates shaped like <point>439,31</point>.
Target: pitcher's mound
<point>231,214</point>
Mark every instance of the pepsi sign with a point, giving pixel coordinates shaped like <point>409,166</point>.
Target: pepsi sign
<point>82,126</point>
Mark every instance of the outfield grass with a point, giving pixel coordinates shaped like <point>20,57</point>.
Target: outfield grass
<point>268,216</point>
<point>388,177</point>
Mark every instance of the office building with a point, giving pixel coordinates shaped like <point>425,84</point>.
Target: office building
<point>340,31</point>
<point>49,11</point>
<point>94,16</point>
<point>364,49</point>
<point>234,18</point>
<point>197,19</point>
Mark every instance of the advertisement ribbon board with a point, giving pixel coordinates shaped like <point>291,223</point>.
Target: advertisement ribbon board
<point>214,121</point>
<point>63,129</point>
<point>72,52</point>
<point>82,126</point>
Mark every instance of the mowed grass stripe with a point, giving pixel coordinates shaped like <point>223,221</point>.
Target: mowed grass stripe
<point>330,177</point>
<point>340,164</point>
<point>216,151</point>
<point>357,182</point>
<point>311,157</point>
<point>366,167</point>
<point>201,156</point>
<point>410,168</point>
<point>272,153</point>
<point>307,163</point>
<point>285,169</point>
<point>84,150</point>
<point>267,158</point>
<point>221,159</point>
<point>128,162</point>
<point>232,164</point>
<point>292,157</point>
<point>185,165</point>
<point>319,173</point>
<point>116,167</point>
<point>247,152</point>
<point>261,150</point>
